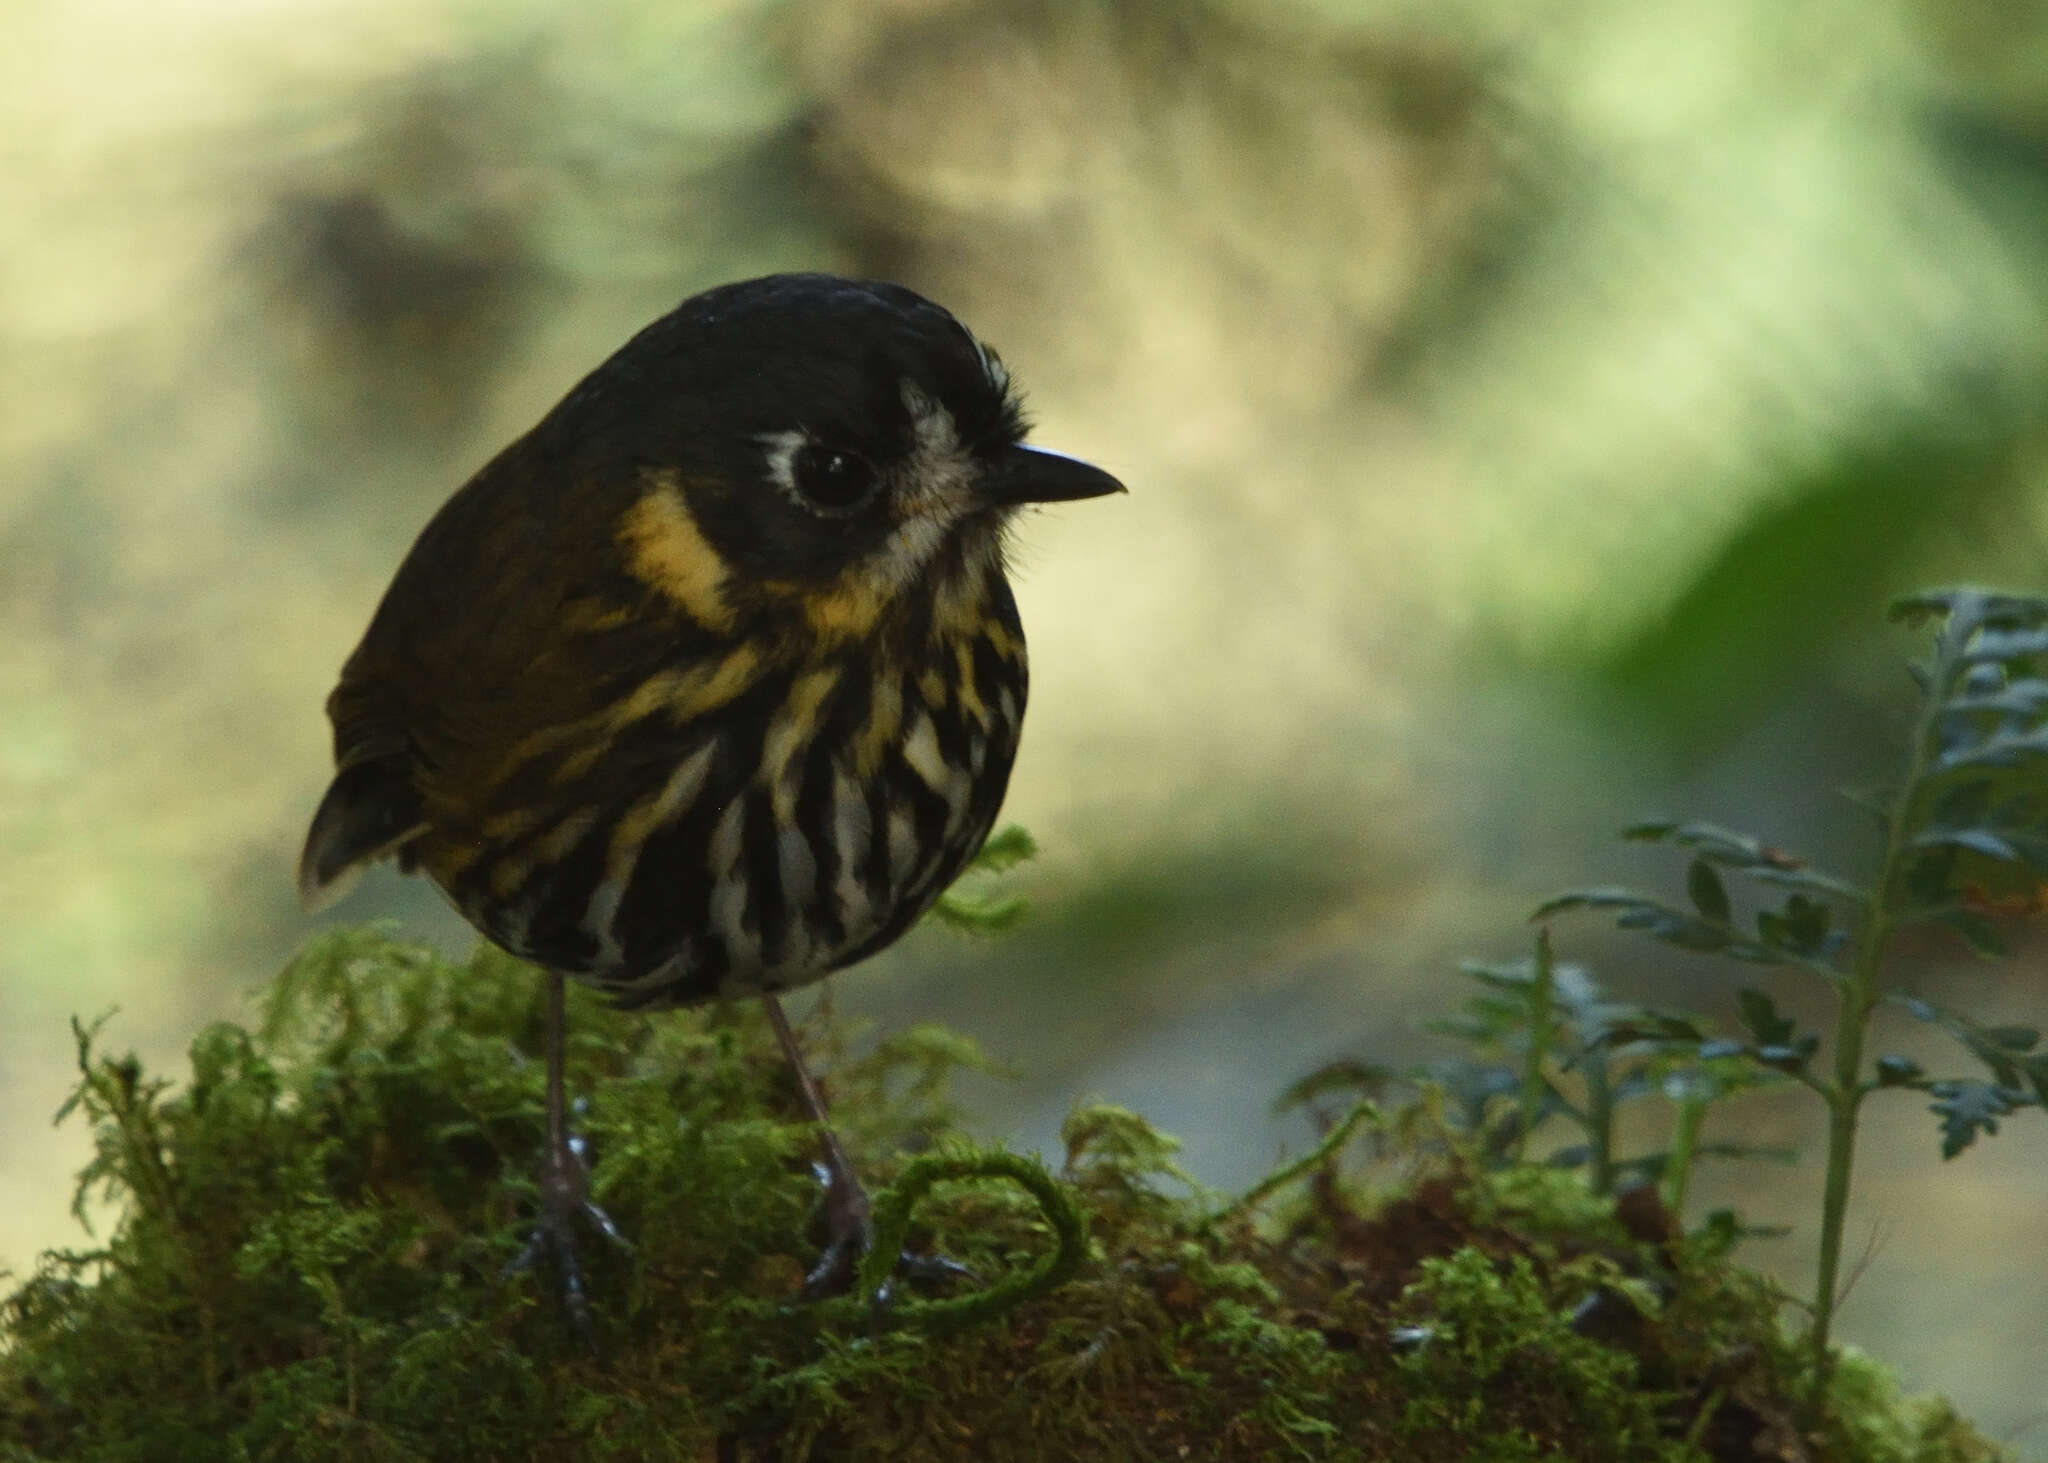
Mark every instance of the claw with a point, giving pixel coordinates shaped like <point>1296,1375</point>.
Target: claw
<point>565,1198</point>
<point>850,1234</point>
<point>935,1271</point>
<point>564,1189</point>
<point>849,1227</point>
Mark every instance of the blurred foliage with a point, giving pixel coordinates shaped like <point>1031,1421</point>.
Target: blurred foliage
<point>1785,588</point>
<point>1561,1047</point>
<point>1965,843</point>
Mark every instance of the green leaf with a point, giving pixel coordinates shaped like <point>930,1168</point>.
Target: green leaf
<point>2027,696</point>
<point>1515,977</point>
<point>1712,841</point>
<point>1787,1059</point>
<point>1760,1015</point>
<point>2013,1038</point>
<point>2010,610</point>
<point>1978,931</point>
<point>1967,1109</point>
<point>1963,803</point>
<point>1997,1047</point>
<point>1898,1071</point>
<point>2004,750</point>
<point>1913,610</point>
<point>1004,850</point>
<point>1709,896</point>
<point>1597,898</point>
<point>1802,929</point>
<point>1752,856</point>
<point>1662,922</point>
<point>1811,879</point>
<point>1978,840</point>
<point>1876,801</point>
<point>975,914</point>
<point>989,914</point>
<point>2035,1069</point>
<point>2004,645</point>
<point>1631,1026</point>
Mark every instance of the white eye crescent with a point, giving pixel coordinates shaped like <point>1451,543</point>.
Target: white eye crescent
<point>822,478</point>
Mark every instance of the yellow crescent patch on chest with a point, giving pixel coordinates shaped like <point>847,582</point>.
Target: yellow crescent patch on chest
<point>667,551</point>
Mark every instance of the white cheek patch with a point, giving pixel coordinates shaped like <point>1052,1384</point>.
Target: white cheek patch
<point>934,489</point>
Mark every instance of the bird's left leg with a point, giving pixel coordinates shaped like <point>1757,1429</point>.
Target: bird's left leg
<point>849,1230</point>
<point>849,1227</point>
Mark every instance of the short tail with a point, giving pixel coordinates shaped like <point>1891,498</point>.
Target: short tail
<point>370,812</point>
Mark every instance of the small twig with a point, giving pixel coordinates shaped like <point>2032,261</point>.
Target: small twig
<point>1871,1246</point>
<point>1332,1141</point>
<point>1541,989</point>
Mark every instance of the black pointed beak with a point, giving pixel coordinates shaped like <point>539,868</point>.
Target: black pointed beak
<point>1036,475</point>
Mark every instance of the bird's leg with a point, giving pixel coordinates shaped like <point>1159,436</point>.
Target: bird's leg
<point>849,1229</point>
<point>564,1182</point>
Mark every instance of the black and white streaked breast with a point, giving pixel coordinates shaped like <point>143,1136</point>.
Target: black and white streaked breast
<point>804,826</point>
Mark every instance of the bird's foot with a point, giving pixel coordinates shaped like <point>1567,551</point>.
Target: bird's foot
<point>565,1199</point>
<point>850,1234</point>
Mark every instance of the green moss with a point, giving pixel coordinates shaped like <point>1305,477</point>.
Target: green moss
<point>315,1228</point>
<point>1872,1420</point>
<point>1498,1372</point>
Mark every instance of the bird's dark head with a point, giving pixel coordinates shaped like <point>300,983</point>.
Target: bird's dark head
<point>809,441</point>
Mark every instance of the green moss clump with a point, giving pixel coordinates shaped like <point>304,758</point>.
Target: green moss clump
<point>1496,1363</point>
<point>310,1264</point>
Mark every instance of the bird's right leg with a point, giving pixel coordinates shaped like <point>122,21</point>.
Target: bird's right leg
<point>564,1182</point>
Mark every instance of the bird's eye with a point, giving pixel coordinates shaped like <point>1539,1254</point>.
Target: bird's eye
<point>832,479</point>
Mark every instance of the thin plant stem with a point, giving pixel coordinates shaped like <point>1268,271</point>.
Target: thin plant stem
<point>1857,998</point>
<point>1533,1083</point>
<point>1600,1121</point>
<point>1365,1110</point>
<point>1685,1138</point>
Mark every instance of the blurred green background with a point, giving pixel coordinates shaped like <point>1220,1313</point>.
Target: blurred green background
<point>1528,408</point>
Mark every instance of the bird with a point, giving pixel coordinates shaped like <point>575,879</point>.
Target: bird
<point>708,685</point>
